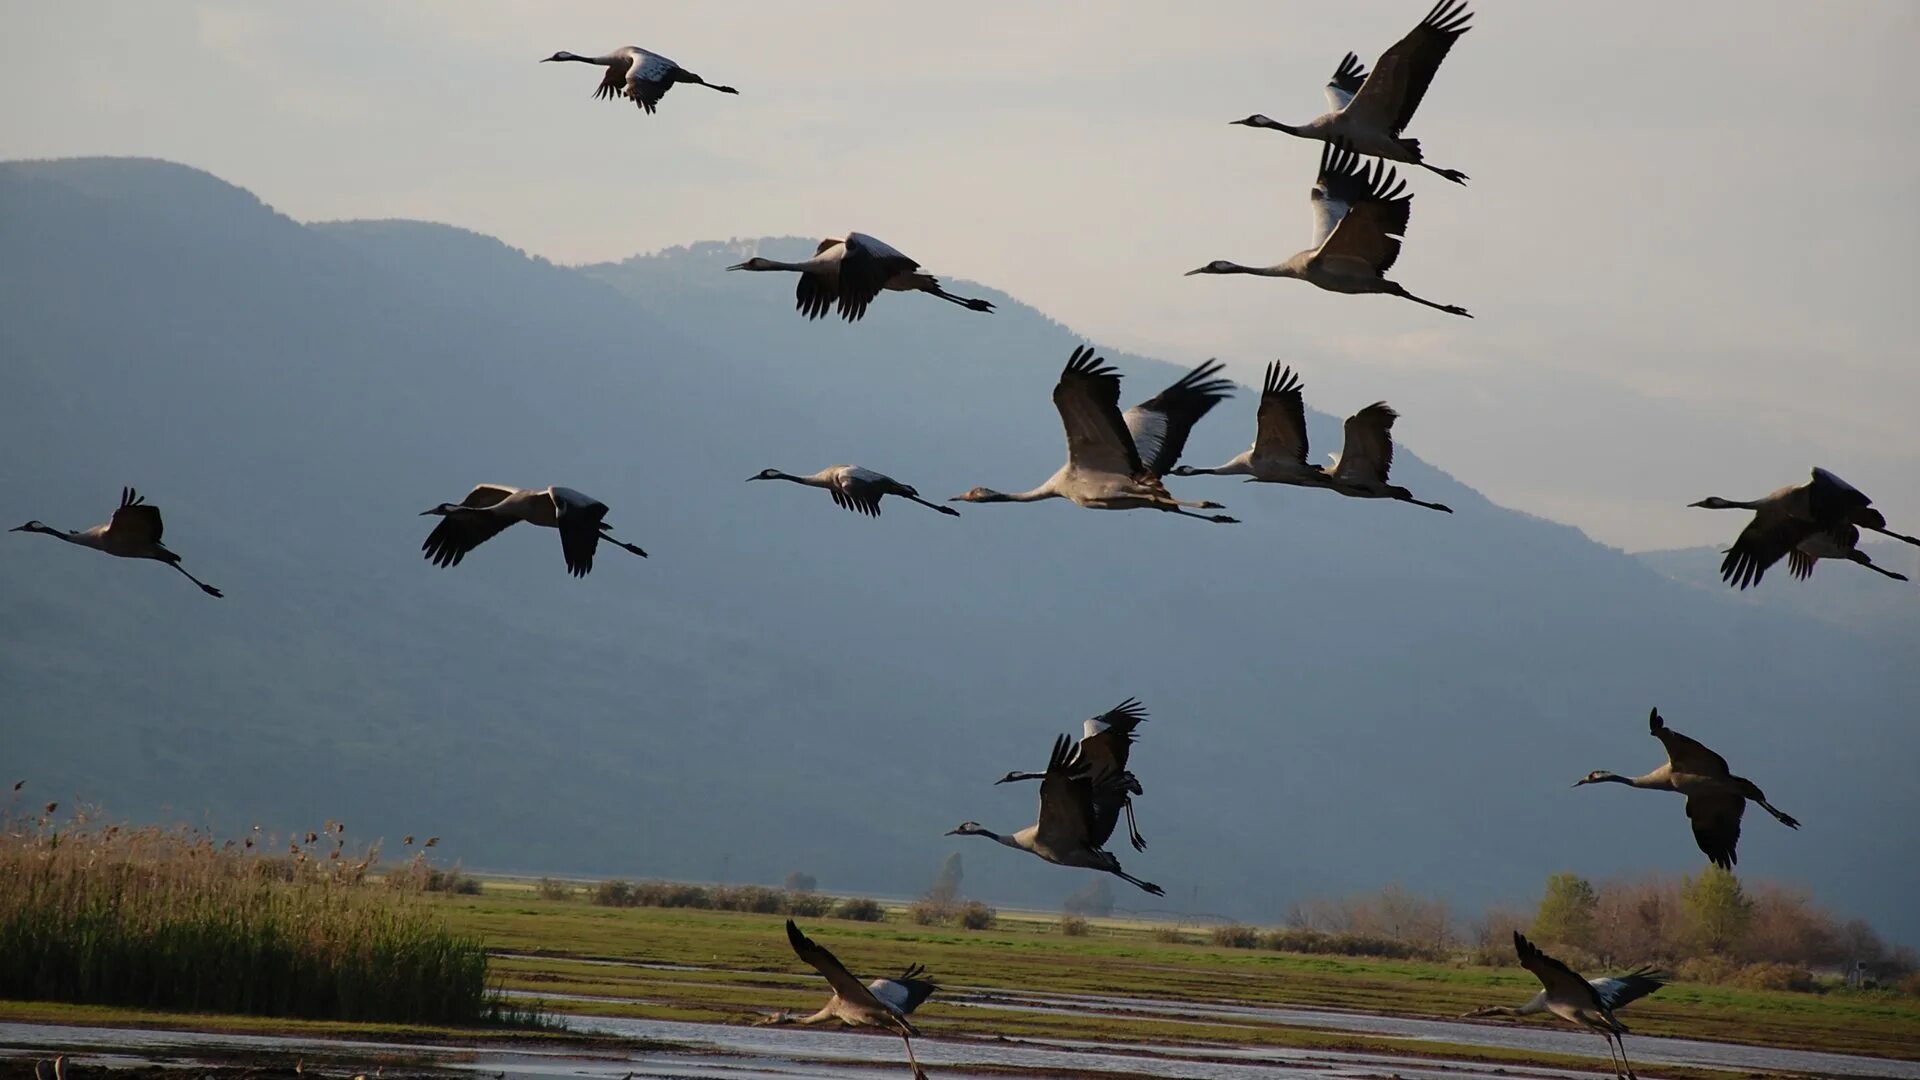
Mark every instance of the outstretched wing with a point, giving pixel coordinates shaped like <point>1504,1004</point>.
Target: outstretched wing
<point>1686,755</point>
<point>1346,82</point>
<point>1367,454</point>
<point>1619,991</point>
<point>1280,429</point>
<point>457,534</point>
<point>1160,425</point>
<point>1088,399</point>
<point>649,78</point>
<point>865,271</point>
<point>850,989</point>
<point>1066,799</point>
<point>1360,210</point>
<point>134,520</point>
<point>859,490</point>
<point>1561,981</point>
<point>904,992</point>
<point>1716,826</point>
<point>1390,96</point>
<point>1767,539</point>
<point>817,290</point>
<point>578,518</point>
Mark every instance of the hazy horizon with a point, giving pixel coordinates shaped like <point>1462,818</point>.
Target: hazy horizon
<point>1675,242</point>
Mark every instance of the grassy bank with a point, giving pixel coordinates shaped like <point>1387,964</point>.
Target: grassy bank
<point>746,968</point>
<point>176,919</point>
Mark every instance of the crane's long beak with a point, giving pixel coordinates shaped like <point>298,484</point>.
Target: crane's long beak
<point>1190,273</point>
<point>738,266</point>
<point>18,528</point>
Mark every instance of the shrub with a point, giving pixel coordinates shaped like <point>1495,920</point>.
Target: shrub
<point>1169,935</point>
<point>1706,969</point>
<point>553,889</point>
<point>1094,898</point>
<point>808,905</point>
<point>1774,977</point>
<point>975,915</point>
<point>1315,942</point>
<point>925,912</point>
<point>754,898</point>
<point>799,882</point>
<point>1235,937</point>
<point>860,910</point>
<point>1073,926</point>
<point>451,881</point>
<point>615,893</point>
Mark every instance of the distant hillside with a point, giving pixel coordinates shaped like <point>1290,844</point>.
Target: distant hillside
<point>1343,693</point>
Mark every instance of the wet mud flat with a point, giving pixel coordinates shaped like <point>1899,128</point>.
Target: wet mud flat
<point>668,1049</point>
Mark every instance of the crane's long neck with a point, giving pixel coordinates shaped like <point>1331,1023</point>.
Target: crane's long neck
<point>1039,494</point>
<point>775,264</point>
<point>1657,780</point>
<point>806,481</point>
<point>1239,466</point>
<point>1016,776</point>
<point>1286,270</point>
<point>83,539</point>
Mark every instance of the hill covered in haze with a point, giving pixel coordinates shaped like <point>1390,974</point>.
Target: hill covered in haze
<point>1344,693</point>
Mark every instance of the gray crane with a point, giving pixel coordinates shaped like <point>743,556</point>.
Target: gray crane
<point>1370,111</point>
<point>1106,742</point>
<point>490,508</point>
<point>1115,460</point>
<point>1360,215</point>
<point>1716,799</point>
<point>882,1003</point>
<point>849,272</point>
<point>854,488</point>
<point>633,72</point>
<point>1575,1000</point>
<point>1065,832</point>
<point>133,532</point>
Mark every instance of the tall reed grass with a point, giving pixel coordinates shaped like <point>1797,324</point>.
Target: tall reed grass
<point>177,919</point>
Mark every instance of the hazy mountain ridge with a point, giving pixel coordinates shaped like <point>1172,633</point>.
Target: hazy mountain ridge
<point>293,395</point>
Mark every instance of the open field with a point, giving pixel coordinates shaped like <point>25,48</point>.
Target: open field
<point>1026,981</point>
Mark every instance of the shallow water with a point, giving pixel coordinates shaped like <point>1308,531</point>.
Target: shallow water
<point>776,1053</point>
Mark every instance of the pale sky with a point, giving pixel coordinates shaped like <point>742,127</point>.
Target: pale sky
<point>1689,236</point>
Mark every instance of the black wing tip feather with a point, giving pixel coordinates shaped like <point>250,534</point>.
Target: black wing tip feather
<point>1655,722</point>
<point>1448,17</point>
<point>1087,362</point>
<point>1281,380</point>
<point>1350,74</point>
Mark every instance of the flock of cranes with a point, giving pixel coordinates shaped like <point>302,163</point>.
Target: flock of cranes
<point>1117,460</point>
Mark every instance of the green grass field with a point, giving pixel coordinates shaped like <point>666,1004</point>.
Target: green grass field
<point>738,966</point>
<point>749,966</point>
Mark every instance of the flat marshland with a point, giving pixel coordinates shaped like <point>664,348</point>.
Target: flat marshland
<point>102,928</point>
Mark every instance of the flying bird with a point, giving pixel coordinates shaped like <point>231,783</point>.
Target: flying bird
<point>881,1003</point>
<point>902,993</point>
<point>1616,992</point>
<point>489,508</point>
<point>1574,999</point>
<point>849,272</point>
<point>1106,742</point>
<point>1360,469</point>
<point>1360,214</point>
<point>1840,542</point>
<point>1115,460</point>
<point>1784,518</point>
<point>1279,451</point>
<point>1067,827</point>
<point>854,488</point>
<point>133,532</point>
<point>1716,798</point>
<point>635,73</point>
<point>1370,111</point>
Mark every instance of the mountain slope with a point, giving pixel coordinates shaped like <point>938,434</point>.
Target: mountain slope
<point>1344,693</point>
